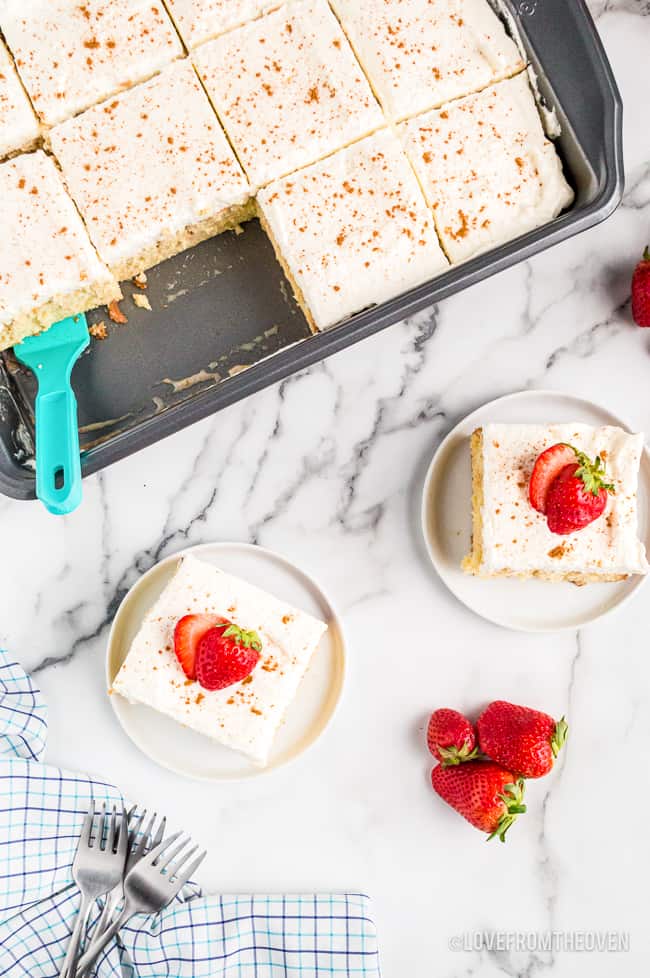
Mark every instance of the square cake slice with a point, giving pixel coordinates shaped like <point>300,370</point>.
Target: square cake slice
<point>151,171</point>
<point>512,539</point>
<point>353,230</point>
<point>487,169</point>
<point>48,267</point>
<point>72,54</point>
<point>201,20</point>
<point>426,52</point>
<point>288,89</point>
<point>19,128</point>
<point>245,715</point>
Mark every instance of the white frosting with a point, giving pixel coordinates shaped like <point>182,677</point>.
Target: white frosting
<point>18,125</point>
<point>354,229</point>
<point>487,168</point>
<point>288,89</point>
<point>425,52</point>
<point>517,538</point>
<point>201,20</point>
<point>148,163</point>
<point>244,716</point>
<point>45,249</point>
<point>73,53</point>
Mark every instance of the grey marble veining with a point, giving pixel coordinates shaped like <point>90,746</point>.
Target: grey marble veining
<point>326,468</point>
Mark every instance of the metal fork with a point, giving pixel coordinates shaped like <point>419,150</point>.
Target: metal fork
<point>98,866</point>
<point>136,850</point>
<point>151,884</point>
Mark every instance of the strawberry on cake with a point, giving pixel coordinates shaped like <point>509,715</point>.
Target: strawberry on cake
<point>556,502</point>
<point>221,657</point>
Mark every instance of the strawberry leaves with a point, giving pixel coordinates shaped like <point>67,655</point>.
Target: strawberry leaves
<point>592,474</point>
<point>247,639</point>
<point>513,798</point>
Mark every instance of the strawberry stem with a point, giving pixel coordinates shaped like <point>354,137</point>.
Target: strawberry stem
<point>646,253</point>
<point>592,473</point>
<point>513,798</point>
<point>249,640</point>
<point>449,756</point>
<point>559,737</point>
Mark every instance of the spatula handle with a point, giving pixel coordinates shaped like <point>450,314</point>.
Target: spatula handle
<point>58,466</point>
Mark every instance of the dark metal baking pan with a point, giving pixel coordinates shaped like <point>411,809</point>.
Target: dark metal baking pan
<point>224,323</point>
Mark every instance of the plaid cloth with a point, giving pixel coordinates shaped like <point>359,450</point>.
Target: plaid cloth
<point>41,811</point>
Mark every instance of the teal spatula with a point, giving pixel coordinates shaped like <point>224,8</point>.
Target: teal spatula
<point>51,356</point>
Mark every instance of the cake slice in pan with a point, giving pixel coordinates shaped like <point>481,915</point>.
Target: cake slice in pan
<point>201,20</point>
<point>71,54</point>
<point>151,171</point>
<point>245,715</point>
<point>487,169</point>
<point>353,230</point>
<point>512,539</point>
<point>48,268</point>
<point>288,89</point>
<point>19,128</point>
<point>425,52</point>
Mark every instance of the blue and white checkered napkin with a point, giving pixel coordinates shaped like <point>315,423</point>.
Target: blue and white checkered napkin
<point>41,811</point>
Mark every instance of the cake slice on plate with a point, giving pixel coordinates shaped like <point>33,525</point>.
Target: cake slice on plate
<point>556,502</point>
<point>221,657</point>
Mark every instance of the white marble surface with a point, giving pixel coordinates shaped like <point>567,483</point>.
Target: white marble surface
<point>326,468</point>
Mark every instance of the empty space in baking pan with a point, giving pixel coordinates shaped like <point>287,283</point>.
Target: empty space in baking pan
<point>216,309</point>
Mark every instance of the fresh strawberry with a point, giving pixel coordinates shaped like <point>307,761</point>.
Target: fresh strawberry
<point>524,740</point>
<point>547,467</point>
<point>451,737</point>
<point>577,496</point>
<point>641,291</point>
<point>226,655</point>
<point>188,633</point>
<point>484,793</point>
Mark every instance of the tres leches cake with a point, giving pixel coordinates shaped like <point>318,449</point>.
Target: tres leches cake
<point>425,52</point>
<point>73,53</point>
<point>288,89</point>
<point>557,502</point>
<point>152,172</point>
<point>486,167</point>
<point>19,128</point>
<point>352,230</point>
<point>221,657</point>
<point>201,20</point>
<point>49,268</point>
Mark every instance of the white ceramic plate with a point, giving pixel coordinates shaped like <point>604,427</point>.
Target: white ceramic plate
<point>188,753</point>
<point>533,605</point>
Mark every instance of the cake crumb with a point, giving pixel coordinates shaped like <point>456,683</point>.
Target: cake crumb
<point>140,280</point>
<point>141,301</point>
<point>98,330</point>
<point>115,314</point>
<point>557,552</point>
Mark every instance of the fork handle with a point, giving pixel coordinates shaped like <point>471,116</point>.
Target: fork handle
<point>97,946</point>
<point>110,906</point>
<point>67,970</point>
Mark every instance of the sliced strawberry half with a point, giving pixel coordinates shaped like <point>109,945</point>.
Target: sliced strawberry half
<point>187,634</point>
<point>547,468</point>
